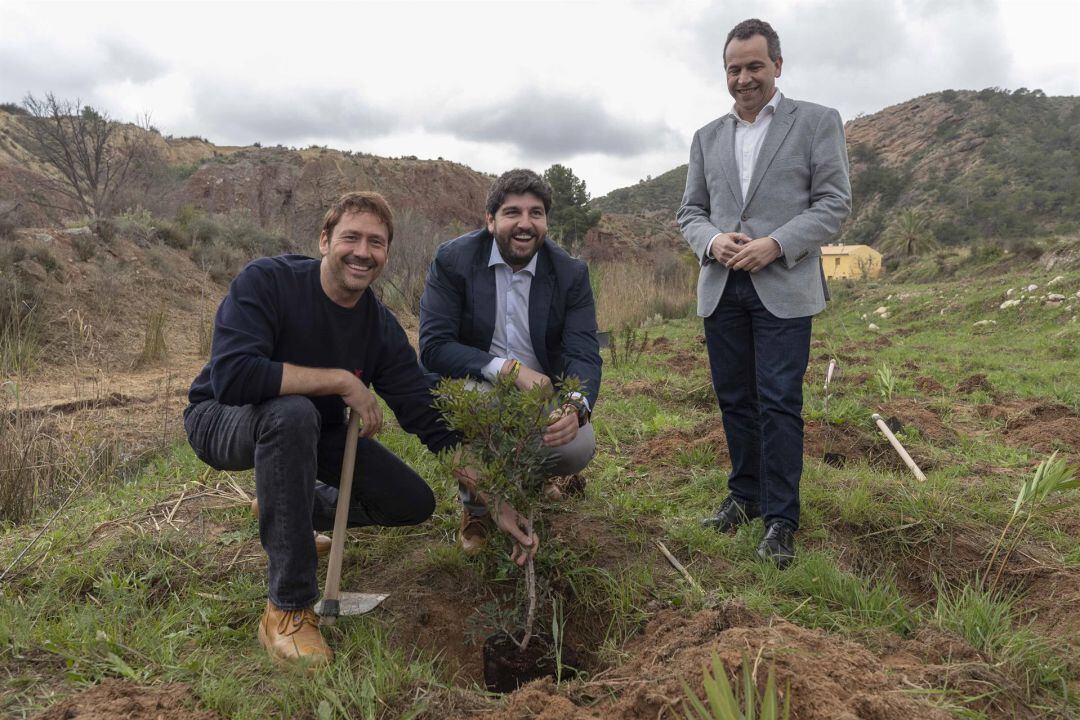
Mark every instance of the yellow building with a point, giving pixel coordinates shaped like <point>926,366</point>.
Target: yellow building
<point>860,262</point>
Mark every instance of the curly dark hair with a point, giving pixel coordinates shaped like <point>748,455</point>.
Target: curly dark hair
<point>749,28</point>
<point>518,182</point>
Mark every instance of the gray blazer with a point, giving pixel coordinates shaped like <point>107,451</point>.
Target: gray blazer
<point>799,194</point>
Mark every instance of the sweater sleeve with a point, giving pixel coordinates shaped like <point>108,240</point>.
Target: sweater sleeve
<point>402,383</point>
<point>241,371</point>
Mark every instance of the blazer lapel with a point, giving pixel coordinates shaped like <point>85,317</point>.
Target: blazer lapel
<point>483,294</point>
<point>725,137</point>
<point>540,293</point>
<point>778,130</point>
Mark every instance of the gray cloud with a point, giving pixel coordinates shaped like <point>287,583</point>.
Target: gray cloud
<point>860,56</point>
<point>68,72</point>
<point>553,126</point>
<point>246,114</point>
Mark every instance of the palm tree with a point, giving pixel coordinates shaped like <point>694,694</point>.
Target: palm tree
<point>909,235</point>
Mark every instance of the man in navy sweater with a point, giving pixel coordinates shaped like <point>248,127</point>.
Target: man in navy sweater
<point>296,341</point>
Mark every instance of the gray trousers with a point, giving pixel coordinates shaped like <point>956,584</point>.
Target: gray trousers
<point>573,457</point>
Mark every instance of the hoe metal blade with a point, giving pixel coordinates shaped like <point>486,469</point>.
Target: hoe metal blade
<point>348,603</point>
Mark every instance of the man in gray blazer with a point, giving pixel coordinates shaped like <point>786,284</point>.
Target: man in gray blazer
<point>766,187</point>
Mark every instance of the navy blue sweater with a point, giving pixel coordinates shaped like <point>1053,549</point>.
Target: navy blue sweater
<point>276,312</point>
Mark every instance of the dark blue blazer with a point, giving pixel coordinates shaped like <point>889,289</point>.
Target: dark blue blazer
<point>457,313</point>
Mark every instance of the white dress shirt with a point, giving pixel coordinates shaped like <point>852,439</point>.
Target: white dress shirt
<point>511,339</point>
<point>749,137</point>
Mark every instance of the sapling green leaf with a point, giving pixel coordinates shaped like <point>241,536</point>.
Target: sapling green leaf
<point>503,429</point>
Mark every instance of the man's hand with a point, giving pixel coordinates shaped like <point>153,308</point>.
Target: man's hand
<point>509,520</point>
<point>562,426</point>
<point>755,255</point>
<point>725,245</point>
<point>358,397</point>
<point>319,382</point>
<point>528,378</point>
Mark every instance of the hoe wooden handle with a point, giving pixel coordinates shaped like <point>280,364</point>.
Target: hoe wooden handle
<point>898,447</point>
<point>332,591</point>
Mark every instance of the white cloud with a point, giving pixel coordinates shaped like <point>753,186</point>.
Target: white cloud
<point>614,90</point>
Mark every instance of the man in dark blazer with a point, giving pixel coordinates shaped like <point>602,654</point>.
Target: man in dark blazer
<point>767,185</point>
<point>505,299</point>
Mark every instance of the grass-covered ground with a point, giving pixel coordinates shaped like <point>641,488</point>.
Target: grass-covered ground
<point>159,578</point>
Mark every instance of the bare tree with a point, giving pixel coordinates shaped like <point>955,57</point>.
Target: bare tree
<point>92,155</point>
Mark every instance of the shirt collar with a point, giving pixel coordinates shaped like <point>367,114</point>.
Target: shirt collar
<point>770,108</point>
<point>496,258</point>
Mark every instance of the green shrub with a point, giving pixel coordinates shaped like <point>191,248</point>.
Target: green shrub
<point>172,236</point>
<point>85,246</point>
<point>139,226</point>
<point>105,229</point>
<point>45,259</point>
<point>218,259</point>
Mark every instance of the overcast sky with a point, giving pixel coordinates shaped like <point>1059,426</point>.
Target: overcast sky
<point>613,90</point>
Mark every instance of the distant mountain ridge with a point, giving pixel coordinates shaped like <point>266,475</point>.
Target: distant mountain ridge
<point>988,163</point>
<point>285,189</point>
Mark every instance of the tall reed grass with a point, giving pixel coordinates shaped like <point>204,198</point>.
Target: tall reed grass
<point>629,293</point>
<point>19,327</point>
<point>39,463</point>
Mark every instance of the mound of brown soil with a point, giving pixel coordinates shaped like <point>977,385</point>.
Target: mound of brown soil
<point>974,382</point>
<point>116,700</point>
<point>914,414</point>
<point>1044,428</point>
<point>661,449</point>
<point>827,677</point>
<point>928,385</point>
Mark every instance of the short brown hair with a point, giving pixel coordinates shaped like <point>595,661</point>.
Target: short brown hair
<point>358,202</point>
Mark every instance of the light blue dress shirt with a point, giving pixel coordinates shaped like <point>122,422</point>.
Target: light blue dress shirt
<point>511,339</point>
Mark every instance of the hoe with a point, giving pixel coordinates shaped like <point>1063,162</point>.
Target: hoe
<point>336,603</point>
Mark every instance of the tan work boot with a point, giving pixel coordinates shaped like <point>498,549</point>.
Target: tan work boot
<point>474,532</point>
<point>293,635</point>
<point>322,542</point>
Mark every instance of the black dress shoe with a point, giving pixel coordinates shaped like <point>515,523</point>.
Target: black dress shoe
<point>778,545</point>
<point>733,512</point>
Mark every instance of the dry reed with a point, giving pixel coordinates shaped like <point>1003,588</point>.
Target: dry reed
<point>628,294</point>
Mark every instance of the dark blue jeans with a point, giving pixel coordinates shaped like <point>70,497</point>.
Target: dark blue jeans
<point>758,361</point>
<point>285,441</point>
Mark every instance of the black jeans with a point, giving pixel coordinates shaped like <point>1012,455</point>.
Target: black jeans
<point>285,441</point>
<point>758,361</point>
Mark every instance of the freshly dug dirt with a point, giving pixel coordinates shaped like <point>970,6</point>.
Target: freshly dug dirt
<point>1044,428</point>
<point>119,700</point>
<point>974,382</point>
<point>928,385</point>
<point>915,414</point>
<point>827,677</point>
<point>687,362</point>
<point>661,449</point>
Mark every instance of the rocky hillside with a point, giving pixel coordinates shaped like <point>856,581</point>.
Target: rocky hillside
<point>284,189</point>
<point>986,164</point>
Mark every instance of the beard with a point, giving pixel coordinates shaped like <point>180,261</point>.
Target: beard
<point>514,252</point>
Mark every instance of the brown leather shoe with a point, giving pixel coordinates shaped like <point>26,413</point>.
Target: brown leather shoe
<point>294,636</point>
<point>474,532</point>
<point>561,487</point>
<point>322,542</point>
